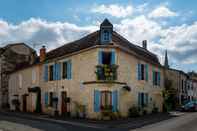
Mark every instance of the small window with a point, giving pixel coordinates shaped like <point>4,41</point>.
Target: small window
<point>106,35</point>
<point>65,73</point>
<point>51,73</point>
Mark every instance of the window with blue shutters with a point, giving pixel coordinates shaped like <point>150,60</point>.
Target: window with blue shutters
<point>142,99</point>
<point>156,78</point>
<point>97,100</point>
<point>67,70</point>
<point>107,57</point>
<point>142,71</point>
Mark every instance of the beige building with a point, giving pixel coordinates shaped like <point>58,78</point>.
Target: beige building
<point>97,73</point>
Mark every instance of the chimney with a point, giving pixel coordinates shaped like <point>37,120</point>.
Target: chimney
<point>144,44</point>
<point>42,54</point>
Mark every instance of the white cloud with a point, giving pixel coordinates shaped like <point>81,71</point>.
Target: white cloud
<point>42,32</point>
<point>114,10</point>
<point>162,11</point>
<point>181,41</point>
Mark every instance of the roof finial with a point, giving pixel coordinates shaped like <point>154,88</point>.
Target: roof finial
<point>166,65</point>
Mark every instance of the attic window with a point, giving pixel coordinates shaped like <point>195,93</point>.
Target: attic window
<point>106,35</point>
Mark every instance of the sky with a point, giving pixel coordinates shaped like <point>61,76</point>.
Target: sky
<point>167,25</point>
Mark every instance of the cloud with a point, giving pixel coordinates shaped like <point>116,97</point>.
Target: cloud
<point>41,32</point>
<point>114,10</point>
<point>162,12</point>
<point>180,41</point>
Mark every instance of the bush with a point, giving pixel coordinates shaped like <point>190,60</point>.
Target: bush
<point>155,110</point>
<point>134,112</point>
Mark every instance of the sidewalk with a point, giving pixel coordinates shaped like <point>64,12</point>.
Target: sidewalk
<point>131,123</point>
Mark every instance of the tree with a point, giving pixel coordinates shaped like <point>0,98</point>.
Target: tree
<point>169,95</point>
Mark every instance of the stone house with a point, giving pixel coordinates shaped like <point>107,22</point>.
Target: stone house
<point>12,56</point>
<point>99,72</point>
<point>184,83</point>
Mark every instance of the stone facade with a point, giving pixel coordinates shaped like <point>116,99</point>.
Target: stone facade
<point>99,73</point>
<point>80,89</point>
<point>12,56</point>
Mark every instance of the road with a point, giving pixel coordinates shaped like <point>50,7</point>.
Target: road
<point>11,123</point>
<point>187,122</point>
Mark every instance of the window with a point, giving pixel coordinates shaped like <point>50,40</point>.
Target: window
<point>65,66</point>
<point>51,73</point>
<point>156,78</point>
<point>142,72</point>
<point>106,35</point>
<point>142,99</point>
<point>107,57</point>
<point>106,99</point>
<point>67,70</point>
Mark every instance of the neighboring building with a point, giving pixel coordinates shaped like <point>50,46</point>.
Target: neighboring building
<point>12,56</point>
<point>185,84</point>
<point>101,71</point>
<point>179,81</point>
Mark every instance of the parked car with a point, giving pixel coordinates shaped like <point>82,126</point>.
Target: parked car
<point>189,106</point>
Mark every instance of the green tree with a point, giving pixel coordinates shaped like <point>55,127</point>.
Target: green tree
<point>169,95</point>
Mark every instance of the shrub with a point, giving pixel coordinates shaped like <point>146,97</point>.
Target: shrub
<point>155,110</point>
<point>134,112</point>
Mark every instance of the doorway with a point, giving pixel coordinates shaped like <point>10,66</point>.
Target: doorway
<point>64,102</point>
<point>24,97</point>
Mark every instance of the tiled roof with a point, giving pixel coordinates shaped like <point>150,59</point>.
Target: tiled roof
<point>93,39</point>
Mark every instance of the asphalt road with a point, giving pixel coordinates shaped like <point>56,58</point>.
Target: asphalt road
<point>11,123</point>
<point>186,122</point>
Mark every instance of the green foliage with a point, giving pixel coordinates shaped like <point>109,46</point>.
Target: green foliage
<point>106,72</point>
<point>169,95</point>
<point>134,111</point>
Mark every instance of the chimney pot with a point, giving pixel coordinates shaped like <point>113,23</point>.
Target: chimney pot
<point>144,44</point>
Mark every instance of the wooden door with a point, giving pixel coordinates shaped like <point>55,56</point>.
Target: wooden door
<point>24,103</point>
<point>64,103</point>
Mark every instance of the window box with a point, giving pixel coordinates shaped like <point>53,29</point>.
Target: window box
<point>106,72</point>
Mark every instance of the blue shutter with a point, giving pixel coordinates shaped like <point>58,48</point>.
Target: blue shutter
<point>114,101</point>
<point>54,72</point>
<point>69,70</point>
<point>100,57</point>
<point>58,67</point>
<point>45,72</point>
<point>146,72</point>
<point>96,101</point>
<point>159,78</point>
<point>113,57</point>
<point>46,98</point>
<point>139,100</point>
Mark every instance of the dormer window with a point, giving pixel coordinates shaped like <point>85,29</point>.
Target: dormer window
<point>106,35</point>
<point>106,29</point>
